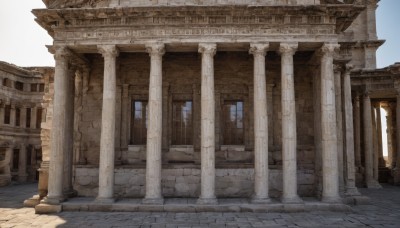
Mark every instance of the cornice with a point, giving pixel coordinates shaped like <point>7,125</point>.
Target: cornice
<point>339,15</point>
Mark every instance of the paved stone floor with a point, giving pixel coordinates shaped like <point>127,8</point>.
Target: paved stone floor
<point>383,212</point>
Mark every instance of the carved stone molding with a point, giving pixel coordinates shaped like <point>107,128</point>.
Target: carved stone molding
<point>288,48</point>
<point>208,48</point>
<point>259,48</point>
<point>155,49</point>
<point>108,51</point>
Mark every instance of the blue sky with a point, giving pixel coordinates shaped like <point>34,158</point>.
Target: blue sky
<point>22,40</point>
<point>388,28</point>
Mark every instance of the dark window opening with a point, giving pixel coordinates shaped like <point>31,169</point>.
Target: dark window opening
<point>15,160</point>
<point>34,87</point>
<point>19,86</point>
<point>17,117</point>
<point>182,123</point>
<point>232,119</point>
<point>7,114</point>
<point>7,82</point>
<point>139,123</point>
<point>41,87</point>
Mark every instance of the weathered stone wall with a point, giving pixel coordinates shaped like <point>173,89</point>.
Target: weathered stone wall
<point>185,182</point>
<point>181,80</point>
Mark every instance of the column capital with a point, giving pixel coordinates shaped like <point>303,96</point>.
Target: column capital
<point>208,48</point>
<point>259,48</point>
<point>61,53</point>
<point>366,94</point>
<point>288,48</point>
<point>108,51</point>
<point>328,49</point>
<point>155,49</point>
<point>349,67</point>
<point>337,68</point>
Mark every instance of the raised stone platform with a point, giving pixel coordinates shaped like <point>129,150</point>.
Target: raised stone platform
<point>190,205</point>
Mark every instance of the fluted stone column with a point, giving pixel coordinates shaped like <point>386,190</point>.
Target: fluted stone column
<point>330,175</point>
<point>22,175</point>
<point>23,117</point>
<point>368,144</point>
<point>289,134</point>
<point>69,146</point>
<point>208,50</point>
<point>33,117</point>
<point>154,130</point>
<point>58,131</point>
<point>107,139</point>
<point>339,125</point>
<point>12,115</point>
<point>357,131</point>
<point>260,124</point>
<point>350,178</point>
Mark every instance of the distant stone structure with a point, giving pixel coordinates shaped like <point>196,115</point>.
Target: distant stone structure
<point>211,99</point>
<point>22,111</point>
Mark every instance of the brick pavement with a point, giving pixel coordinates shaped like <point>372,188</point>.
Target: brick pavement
<point>384,211</point>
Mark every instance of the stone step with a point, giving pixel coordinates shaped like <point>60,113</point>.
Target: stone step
<point>189,205</point>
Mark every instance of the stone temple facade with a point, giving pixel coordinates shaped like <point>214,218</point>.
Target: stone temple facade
<point>213,100</point>
<point>22,111</point>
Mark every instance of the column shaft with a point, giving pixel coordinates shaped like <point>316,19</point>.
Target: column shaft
<point>207,124</point>
<point>350,178</point>
<point>107,140</point>
<point>154,131</point>
<point>69,146</point>
<point>339,125</point>
<point>33,117</point>
<point>289,134</point>
<point>368,144</point>
<point>12,116</point>
<point>58,131</point>
<point>260,125</point>
<point>330,175</point>
<point>357,130</point>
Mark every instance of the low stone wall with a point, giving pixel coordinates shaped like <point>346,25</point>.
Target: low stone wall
<point>185,182</point>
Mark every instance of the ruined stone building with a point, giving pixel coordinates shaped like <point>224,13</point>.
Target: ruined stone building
<point>22,109</point>
<point>210,101</point>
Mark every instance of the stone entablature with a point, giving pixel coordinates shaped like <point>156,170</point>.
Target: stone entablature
<point>140,3</point>
<point>131,25</point>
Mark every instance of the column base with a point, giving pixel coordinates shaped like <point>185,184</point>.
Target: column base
<point>331,199</point>
<point>52,200</point>
<point>373,184</point>
<point>256,200</point>
<point>292,200</point>
<point>101,200</point>
<point>44,208</point>
<point>32,202</point>
<point>353,191</point>
<point>153,201</point>
<point>207,201</point>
